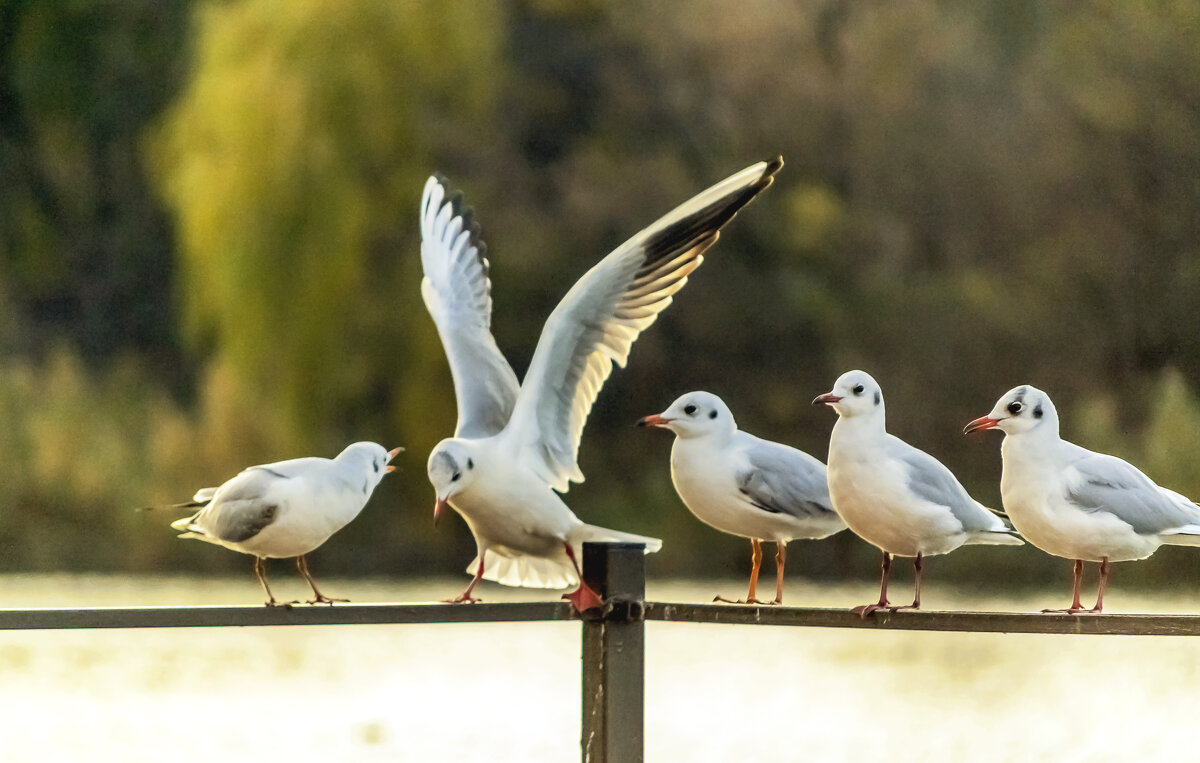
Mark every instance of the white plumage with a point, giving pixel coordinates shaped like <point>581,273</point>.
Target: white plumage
<point>515,445</point>
<point>743,485</point>
<point>289,508</point>
<point>894,496</point>
<point>1076,503</point>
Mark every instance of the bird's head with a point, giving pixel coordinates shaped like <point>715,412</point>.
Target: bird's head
<point>855,393</point>
<point>451,469</point>
<point>696,414</point>
<point>1021,409</point>
<point>373,457</point>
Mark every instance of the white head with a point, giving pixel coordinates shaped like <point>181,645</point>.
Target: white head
<point>696,414</point>
<point>855,393</point>
<point>1021,409</point>
<point>451,469</point>
<point>371,457</point>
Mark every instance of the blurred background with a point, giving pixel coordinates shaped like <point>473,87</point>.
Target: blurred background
<point>209,254</point>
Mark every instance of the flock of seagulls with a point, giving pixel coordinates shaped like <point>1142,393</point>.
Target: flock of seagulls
<point>514,448</point>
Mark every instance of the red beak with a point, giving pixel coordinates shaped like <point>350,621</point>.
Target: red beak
<point>653,421</point>
<point>438,509</point>
<point>827,399</point>
<point>979,424</point>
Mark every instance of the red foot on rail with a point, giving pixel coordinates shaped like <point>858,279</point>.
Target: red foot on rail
<point>584,598</point>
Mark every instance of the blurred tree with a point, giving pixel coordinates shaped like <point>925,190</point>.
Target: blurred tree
<point>86,251</point>
<point>300,139</point>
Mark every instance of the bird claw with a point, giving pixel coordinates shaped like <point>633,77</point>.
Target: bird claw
<point>462,599</point>
<point>866,610</point>
<point>1072,611</point>
<point>323,599</point>
<point>281,604</point>
<point>584,598</point>
<point>747,602</point>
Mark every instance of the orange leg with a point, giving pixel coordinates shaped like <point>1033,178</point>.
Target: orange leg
<point>1076,607</point>
<point>465,597</point>
<point>756,564</point>
<point>864,610</point>
<point>780,561</point>
<point>583,598</point>
<point>302,566</point>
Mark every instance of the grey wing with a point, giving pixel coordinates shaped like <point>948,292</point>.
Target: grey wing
<point>930,480</point>
<point>1098,482</point>
<point>783,480</point>
<point>458,295</point>
<point>597,322</point>
<point>242,507</point>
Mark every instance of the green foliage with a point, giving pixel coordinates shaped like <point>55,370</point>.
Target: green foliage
<point>976,195</point>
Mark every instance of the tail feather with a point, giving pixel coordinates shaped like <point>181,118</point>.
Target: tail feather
<point>583,533</point>
<point>996,538</point>
<point>526,571</point>
<point>1188,535</point>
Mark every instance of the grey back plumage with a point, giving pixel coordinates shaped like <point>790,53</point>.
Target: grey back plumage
<point>930,480</point>
<point>1103,483</point>
<point>783,480</point>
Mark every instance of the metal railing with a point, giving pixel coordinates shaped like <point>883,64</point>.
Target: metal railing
<point>613,639</point>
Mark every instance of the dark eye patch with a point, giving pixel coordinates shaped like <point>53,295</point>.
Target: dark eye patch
<point>1037,411</point>
<point>712,414</point>
<point>470,463</point>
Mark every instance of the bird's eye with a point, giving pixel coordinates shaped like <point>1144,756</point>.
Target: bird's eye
<point>456,476</point>
<point>470,463</point>
<point>689,409</point>
<point>1014,408</point>
<point>858,389</point>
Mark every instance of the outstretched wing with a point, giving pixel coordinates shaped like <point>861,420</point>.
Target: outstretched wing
<point>458,294</point>
<point>1100,483</point>
<point>596,323</point>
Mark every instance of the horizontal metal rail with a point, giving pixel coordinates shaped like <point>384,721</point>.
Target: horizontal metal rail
<point>679,612</point>
<point>612,648</point>
<point>926,620</point>
<point>342,614</point>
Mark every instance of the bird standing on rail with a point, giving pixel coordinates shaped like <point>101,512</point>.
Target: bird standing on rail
<point>515,445</point>
<point>743,485</point>
<point>288,509</point>
<point>1078,504</point>
<point>894,496</point>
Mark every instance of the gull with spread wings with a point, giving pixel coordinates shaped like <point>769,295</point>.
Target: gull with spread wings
<point>516,444</point>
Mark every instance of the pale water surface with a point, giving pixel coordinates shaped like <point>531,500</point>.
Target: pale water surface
<point>510,692</point>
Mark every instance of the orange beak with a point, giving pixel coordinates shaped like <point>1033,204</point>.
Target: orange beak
<point>439,508</point>
<point>979,424</point>
<point>653,421</point>
<point>392,454</point>
<point>827,399</point>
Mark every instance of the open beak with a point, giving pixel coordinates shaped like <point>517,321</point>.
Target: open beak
<point>439,508</point>
<point>979,424</point>
<point>827,399</point>
<point>392,454</point>
<point>657,420</point>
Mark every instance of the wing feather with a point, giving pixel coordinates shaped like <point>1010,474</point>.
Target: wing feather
<point>458,295</point>
<point>597,322</point>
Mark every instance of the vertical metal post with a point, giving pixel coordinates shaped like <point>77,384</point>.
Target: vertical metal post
<point>614,654</point>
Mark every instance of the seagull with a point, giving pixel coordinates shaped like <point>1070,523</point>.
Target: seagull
<point>743,485</point>
<point>894,496</point>
<point>515,445</point>
<point>288,509</point>
<point>1075,503</point>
